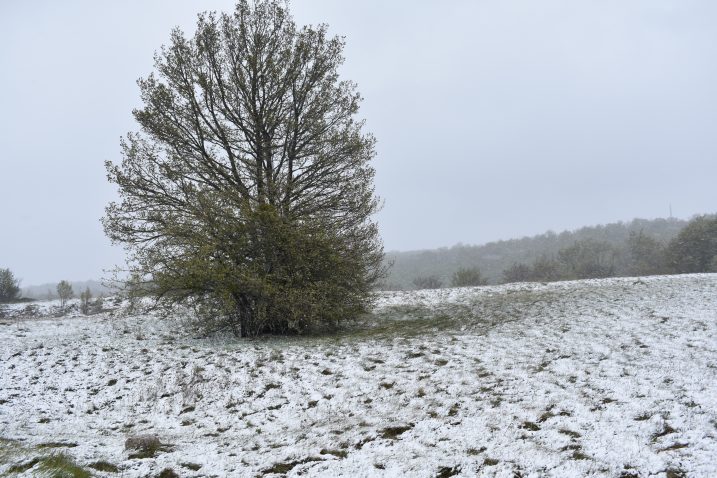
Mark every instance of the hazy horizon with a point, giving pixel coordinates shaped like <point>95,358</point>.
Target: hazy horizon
<point>494,120</point>
<point>101,278</point>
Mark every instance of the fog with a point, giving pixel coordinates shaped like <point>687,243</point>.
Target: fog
<point>494,119</point>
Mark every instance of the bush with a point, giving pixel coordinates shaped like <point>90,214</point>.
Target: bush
<point>85,298</point>
<point>588,259</point>
<point>546,269</point>
<point>517,273</point>
<point>468,277</point>
<point>427,282</point>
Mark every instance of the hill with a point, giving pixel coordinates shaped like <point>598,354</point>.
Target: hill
<point>494,257</point>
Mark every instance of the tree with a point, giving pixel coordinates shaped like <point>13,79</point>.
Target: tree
<point>85,298</point>
<point>427,282</point>
<point>645,255</point>
<point>64,292</point>
<point>588,259</point>
<point>467,277</point>
<point>695,247</point>
<point>517,272</point>
<point>249,190</point>
<point>9,286</point>
<point>546,268</point>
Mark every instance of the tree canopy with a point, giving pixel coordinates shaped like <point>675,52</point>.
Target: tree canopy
<point>64,292</point>
<point>695,248</point>
<point>249,189</point>
<point>9,286</point>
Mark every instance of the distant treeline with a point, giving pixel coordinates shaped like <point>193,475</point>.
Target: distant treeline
<point>49,291</point>
<point>638,247</point>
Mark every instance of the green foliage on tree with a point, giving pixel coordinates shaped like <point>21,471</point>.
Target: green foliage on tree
<point>546,269</point>
<point>646,256</point>
<point>249,191</point>
<point>517,273</point>
<point>9,286</point>
<point>588,259</point>
<point>695,247</point>
<point>467,277</point>
<point>64,292</point>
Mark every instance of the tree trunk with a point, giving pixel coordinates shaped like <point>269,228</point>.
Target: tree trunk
<point>243,327</point>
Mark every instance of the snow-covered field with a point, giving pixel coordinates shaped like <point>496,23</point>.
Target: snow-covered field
<point>613,377</point>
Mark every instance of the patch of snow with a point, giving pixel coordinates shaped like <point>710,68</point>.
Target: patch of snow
<point>584,378</point>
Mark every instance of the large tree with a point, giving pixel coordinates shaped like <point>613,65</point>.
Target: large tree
<point>249,189</point>
<point>9,286</point>
<point>695,247</point>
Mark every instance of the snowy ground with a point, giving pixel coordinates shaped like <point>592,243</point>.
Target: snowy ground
<point>613,377</point>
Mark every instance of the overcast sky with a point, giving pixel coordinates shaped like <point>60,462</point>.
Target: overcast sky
<point>494,119</point>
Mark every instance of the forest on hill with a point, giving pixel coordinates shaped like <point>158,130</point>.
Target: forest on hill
<point>495,258</point>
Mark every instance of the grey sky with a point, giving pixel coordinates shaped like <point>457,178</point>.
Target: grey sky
<point>495,119</point>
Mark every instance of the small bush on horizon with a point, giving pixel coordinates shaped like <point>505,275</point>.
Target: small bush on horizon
<point>427,282</point>
<point>468,277</point>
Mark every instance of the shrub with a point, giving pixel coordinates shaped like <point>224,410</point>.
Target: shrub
<point>467,277</point>
<point>517,273</point>
<point>427,282</point>
<point>546,269</point>
<point>85,298</point>
<point>588,259</point>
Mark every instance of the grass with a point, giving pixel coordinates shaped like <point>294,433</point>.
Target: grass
<point>392,433</point>
<point>57,444</point>
<point>666,430</point>
<point>336,453</point>
<point>286,467</point>
<point>478,315</point>
<point>474,315</point>
<point>533,427</point>
<point>569,433</point>
<point>144,446</point>
<point>579,455</point>
<point>24,459</point>
<point>60,465</point>
<point>103,466</point>
<point>10,450</point>
<point>448,471</point>
<point>23,467</point>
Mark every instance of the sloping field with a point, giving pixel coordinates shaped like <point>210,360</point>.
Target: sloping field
<point>613,378</point>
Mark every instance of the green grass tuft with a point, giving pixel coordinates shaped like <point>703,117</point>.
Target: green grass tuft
<point>60,465</point>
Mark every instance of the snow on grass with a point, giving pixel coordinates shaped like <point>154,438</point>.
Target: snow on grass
<point>613,377</point>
